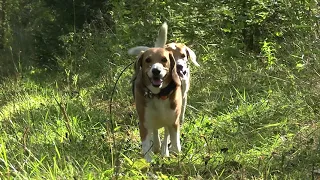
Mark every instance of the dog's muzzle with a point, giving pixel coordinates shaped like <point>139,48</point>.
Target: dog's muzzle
<point>156,75</point>
<point>181,70</point>
<point>156,78</point>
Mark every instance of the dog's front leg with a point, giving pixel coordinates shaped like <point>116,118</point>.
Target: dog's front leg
<point>156,141</point>
<point>164,145</point>
<point>185,83</point>
<point>147,145</point>
<point>174,132</point>
<point>183,109</point>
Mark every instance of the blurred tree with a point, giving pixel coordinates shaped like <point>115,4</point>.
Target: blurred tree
<point>45,29</point>
<point>2,24</point>
<point>63,17</point>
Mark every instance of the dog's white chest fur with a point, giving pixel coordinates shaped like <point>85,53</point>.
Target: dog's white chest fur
<point>158,113</point>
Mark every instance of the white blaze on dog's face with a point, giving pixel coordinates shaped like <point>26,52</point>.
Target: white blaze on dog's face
<point>157,71</point>
<point>181,54</point>
<point>156,66</point>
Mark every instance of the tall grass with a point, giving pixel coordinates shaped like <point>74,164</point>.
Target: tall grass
<point>251,122</point>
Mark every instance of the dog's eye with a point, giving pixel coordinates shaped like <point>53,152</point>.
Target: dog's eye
<point>164,60</point>
<point>148,60</point>
<point>183,56</point>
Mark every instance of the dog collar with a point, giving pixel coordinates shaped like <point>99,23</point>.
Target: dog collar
<point>164,93</point>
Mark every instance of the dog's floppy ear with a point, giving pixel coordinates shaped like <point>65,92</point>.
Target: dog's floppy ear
<point>192,56</point>
<point>174,73</point>
<point>137,66</point>
<point>138,63</point>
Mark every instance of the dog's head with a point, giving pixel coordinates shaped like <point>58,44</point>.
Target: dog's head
<point>158,68</point>
<point>181,54</point>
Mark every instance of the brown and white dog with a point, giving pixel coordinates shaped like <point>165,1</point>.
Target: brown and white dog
<point>181,54</point>
<point>158,99</point>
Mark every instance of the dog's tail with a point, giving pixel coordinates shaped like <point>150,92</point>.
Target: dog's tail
<point>137,50</point>
<point>162,36</point>
<point>160,42</point>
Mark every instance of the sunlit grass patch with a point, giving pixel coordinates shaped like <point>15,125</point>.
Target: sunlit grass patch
<point>35,122</point>
<point>26,103</point>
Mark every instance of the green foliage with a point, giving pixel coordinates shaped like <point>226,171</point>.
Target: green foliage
<point>253,105</point>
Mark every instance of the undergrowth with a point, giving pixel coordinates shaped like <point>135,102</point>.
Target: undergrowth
<point>251,123</point>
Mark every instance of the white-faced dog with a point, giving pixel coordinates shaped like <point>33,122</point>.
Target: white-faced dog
<point>181,54</point>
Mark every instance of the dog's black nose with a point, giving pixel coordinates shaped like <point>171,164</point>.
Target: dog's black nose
<point>179,67</point>
<point>155,71</point>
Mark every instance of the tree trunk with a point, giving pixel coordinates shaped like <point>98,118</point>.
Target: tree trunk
<point>2,23</point>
